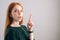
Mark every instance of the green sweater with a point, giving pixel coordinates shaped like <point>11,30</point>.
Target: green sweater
<point>17,33</point>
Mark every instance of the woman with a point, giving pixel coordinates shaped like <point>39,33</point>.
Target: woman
<point>14,30</point>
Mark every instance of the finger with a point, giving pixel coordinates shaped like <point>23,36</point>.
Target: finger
<point>30,17</point>
<point>31,23</point>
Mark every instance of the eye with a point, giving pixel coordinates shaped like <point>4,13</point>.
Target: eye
<point>15,10</point>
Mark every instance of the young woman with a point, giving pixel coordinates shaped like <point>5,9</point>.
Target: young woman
<point>14,30</point>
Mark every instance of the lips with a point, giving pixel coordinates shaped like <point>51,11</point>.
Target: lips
<point>19,16</point>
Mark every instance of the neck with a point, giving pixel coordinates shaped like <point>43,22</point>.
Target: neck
<point>15,24</point>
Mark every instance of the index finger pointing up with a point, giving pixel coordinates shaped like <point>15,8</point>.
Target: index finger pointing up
<point>30,17</point>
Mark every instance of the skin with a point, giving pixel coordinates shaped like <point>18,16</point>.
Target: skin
<point>17,14</point>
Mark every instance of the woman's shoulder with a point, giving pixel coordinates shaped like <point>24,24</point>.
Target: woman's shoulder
<point>24,26</point>
<point>9,29</point>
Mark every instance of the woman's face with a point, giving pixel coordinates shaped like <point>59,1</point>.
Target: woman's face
<point>17,13</point>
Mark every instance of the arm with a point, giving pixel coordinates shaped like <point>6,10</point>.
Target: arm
<point>31,36</point>
<point>29,25</point>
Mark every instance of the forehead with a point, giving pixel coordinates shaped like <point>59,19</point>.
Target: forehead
<point>17,7</point>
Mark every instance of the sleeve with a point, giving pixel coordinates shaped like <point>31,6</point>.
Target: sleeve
<point>11,35</point>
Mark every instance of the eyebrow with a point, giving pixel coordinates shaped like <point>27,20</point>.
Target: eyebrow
<point>17,9</point>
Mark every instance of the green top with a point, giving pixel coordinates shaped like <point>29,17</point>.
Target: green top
<point>17,33</point>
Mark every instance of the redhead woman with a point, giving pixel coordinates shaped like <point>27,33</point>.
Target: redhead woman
<point>14,30</point>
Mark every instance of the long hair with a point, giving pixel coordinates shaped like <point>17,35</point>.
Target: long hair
<point>9,19</point>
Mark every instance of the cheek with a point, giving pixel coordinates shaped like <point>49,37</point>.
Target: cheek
<point>14,15</point>
<point>21,15</point>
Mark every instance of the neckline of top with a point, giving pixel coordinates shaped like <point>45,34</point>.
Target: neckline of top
<point>15,27</point>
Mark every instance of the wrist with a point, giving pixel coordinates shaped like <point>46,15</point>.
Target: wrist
<point>30,31</point>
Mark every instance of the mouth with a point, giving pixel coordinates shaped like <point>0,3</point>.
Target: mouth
<point>19,17</point>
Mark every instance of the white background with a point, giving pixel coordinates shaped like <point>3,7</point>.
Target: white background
<point>45,15</point>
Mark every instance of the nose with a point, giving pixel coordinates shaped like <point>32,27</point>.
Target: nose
<point>19,13</point>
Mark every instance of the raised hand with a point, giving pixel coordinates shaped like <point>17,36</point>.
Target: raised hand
<point>30,23</point>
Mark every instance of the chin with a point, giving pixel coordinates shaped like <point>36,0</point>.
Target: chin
<point>19,20</point>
